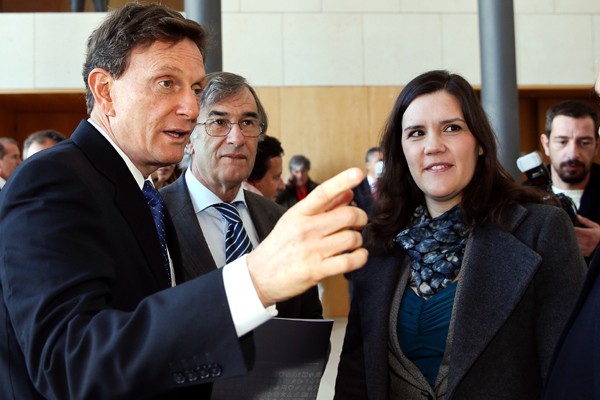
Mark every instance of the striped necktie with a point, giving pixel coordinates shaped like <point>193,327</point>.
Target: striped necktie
<point>237,242</point>
<point>158,212</point>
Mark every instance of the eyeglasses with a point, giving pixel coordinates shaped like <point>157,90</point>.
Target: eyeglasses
<point>221,127</point>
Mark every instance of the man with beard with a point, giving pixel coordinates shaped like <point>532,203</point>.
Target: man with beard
<point>571,142</point>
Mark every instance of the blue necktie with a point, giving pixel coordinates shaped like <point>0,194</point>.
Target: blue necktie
<point>158,212</point>
<point>237,242</point>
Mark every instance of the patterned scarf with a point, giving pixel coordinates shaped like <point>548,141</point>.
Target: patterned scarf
<point>436,247</point>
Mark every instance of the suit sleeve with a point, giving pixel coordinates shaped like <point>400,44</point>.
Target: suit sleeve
<point>557,282</point>
<point>351,378</point>
<point>57,275</point>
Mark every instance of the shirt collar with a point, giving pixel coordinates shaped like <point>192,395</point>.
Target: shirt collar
<point>202,197</point>
<point>371,180</point>
<point>137,175</point>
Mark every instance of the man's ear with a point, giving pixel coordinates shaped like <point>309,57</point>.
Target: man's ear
<point>190,146</point>
<point>101,82</point>
<point>545,143</point>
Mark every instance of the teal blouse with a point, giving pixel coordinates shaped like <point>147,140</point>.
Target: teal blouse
<point>423,327</point>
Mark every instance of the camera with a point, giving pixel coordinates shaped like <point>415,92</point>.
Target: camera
<point>538,176</point>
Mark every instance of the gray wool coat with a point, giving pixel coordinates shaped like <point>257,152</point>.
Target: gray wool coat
<point>516,289</point>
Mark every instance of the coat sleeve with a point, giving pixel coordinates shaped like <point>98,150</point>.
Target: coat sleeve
<point>58,273</point>
<point>351,379</point>
<point>557,282</point>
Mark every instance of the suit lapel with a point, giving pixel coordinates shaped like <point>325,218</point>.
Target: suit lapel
<point>128,196</point>
<point>197,259</point>
<point>263,220</point>
<point>498,270</point>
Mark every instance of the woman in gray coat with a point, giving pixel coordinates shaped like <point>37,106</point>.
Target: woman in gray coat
<point>470,276</point>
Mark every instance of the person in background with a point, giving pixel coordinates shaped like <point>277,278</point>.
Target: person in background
<point>41,140</point>
<point>575,365</point>
<point>10,159</point>
<point>571,142</point>
<point>165,175</point>
<point>470,277</point>
<point>208,203</point>
<point>265,178</point>
<point>298,184</point>
<point>365,192</point>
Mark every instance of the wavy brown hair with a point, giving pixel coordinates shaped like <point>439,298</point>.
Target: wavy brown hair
<point>484,198</point>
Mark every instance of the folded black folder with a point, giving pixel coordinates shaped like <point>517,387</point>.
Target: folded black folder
<point>291,355</point>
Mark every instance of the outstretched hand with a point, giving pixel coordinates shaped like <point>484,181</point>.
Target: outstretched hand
<point>309,242</point>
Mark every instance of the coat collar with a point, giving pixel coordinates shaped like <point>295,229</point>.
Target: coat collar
<point>496,273</point>
<point>128,197</point>
<point>498,270</point>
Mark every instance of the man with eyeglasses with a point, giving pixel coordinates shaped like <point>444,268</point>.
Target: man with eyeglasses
<point>208,203</point>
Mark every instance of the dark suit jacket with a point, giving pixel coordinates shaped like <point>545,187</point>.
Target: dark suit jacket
<point>517,289</point>
<point>364,198</point>
<point>590,201</point>
<point>575,368</point>
<point>288,196</point>
<point>197,259</point>
<point>83,310</point>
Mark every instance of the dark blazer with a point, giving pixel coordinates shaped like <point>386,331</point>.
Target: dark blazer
<point>197,259</point>
<point>364,198</point>
<point>83,310</point>
<point>517,289</point>
<point>575,365</point>
<point>288,196</point>
<point>590,201</point>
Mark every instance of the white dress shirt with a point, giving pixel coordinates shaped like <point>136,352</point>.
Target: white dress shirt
<point>247,312</point>
<point>212,222</point>
<point>372,182</point>
<point>2,183</point>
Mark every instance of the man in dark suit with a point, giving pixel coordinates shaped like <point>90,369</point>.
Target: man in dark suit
<point>363,193</point>
<point>88,303</point>
<point>575,365</point>
<point>571,142</point>
<point>218,166</point>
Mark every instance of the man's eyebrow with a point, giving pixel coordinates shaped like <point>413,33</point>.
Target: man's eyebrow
<point>217,113</point>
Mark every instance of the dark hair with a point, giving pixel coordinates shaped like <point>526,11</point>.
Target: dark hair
<point>221,85</point>
<point>3,150</point>
<point>371,152</point>
<point>131,27</point>
<point>270,147</point>
<point>41,137</point>
<point>573,109</point>
<point>485,197</point>
<point>299,162</point>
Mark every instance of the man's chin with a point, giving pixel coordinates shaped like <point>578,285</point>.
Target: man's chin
<point>573,179</point>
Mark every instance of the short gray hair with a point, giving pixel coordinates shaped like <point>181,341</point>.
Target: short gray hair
<point>220,86</point>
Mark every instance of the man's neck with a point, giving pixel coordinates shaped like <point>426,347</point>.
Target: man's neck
<point>559,183</point>
<point>224,192</point>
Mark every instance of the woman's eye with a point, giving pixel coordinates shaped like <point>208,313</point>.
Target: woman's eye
<point>453,128</point>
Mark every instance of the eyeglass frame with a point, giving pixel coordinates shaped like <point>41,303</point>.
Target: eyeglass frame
<point>260,127</point>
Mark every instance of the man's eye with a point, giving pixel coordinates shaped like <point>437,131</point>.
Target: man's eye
<point>249,122</point>
<point>197,92</point>
<point>165,84</point>
<point>220,122</point>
